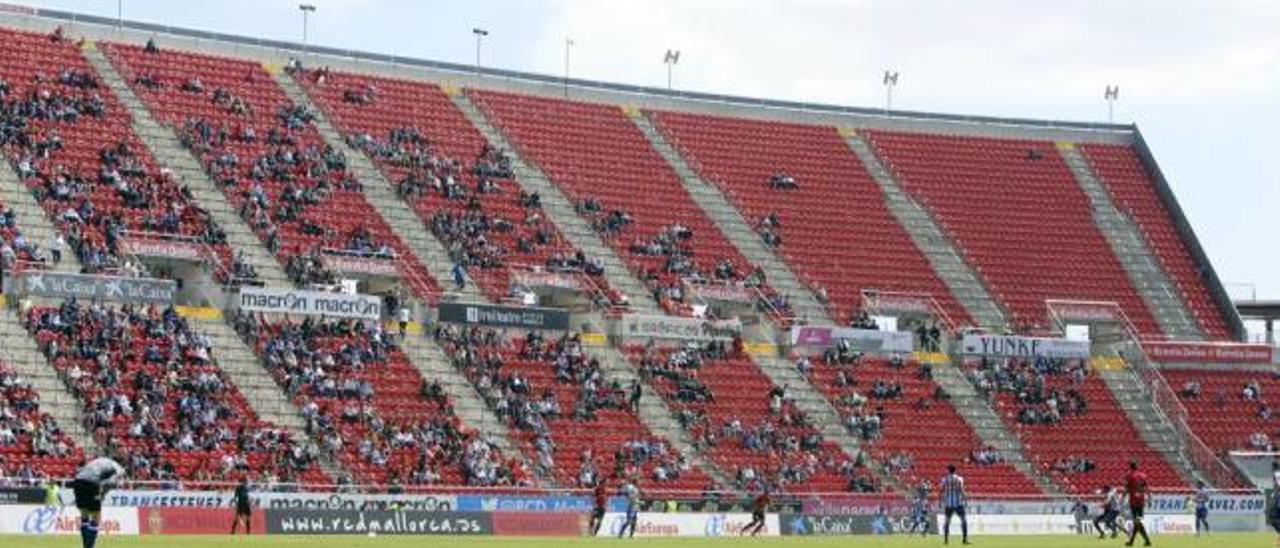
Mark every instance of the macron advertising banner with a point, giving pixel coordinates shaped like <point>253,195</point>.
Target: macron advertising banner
<point>1012,346</point>
<point>313,303</point>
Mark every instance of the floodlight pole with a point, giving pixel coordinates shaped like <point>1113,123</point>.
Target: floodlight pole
<point>890,81</point>
<point>119,14</point>
<point>306,10</point>
<point>568,43</point>
<point>670,59</point>
<point>480,34</point>
<point>1112,94</point>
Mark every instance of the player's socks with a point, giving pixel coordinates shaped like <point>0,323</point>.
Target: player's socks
<point>91,537</point>
<point>84,532</point>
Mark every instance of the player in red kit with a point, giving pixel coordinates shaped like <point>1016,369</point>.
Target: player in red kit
<point>1135,484</point>
<point>758,508</point>
<point>601,502</point>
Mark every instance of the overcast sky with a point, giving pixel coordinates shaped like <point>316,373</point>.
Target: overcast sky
<point>1202,79</point>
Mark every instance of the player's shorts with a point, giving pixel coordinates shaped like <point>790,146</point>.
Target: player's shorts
<point>597,513</point>
<point>1202,513</point>
<point>1137,512</point>
<point>757,515</point>
<point>1108,516</point>
<point>954,510</point>
<point>243,509</point>
<point>88,495</point>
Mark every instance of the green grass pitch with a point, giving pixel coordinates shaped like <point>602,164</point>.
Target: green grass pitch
<point>1251,540</point>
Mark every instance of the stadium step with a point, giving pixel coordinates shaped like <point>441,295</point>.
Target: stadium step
<point>936,246</point>
<point>560,209</point>
<point>251,378</point>
<point>1145,272</point>
<point>980,416</point>
<point>1151,423</point>
<point>163,143</point>
<point>654,412</point>
<point>32,220</point>
<point>433,364</point>
<point>21,353</point>
<point>381,194</point>
<point>736,228</point>
<point>822,414</point>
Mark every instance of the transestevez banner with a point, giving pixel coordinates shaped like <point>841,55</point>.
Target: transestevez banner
<point>382,522</point>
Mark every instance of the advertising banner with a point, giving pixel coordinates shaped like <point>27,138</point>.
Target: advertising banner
<point>1012,346</point>
<point>640,326</point>
<point>650,524</point>
<point>864,505</point>
<point>1060,524</point>
<point>1219,503</point>
<point>270,500</point>
<point>519,503</point>
<point>531,524</point>
<point>194,521</point>
<point>21,495</point>
<point>845,524</point>
<point>64,285</point>
<point>862,340</point>
<point>382,522</point>
<point>315,303</point>
<point>733,293</point>
<point>1203,352</point>
<point>356,501</point>
<point>555,280</point>
<point>369,266</point>
<point>167,249</point>
<point>504,316</point>
<point>30,519</point>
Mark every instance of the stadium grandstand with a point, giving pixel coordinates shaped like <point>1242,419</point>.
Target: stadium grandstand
<point>322,271</point>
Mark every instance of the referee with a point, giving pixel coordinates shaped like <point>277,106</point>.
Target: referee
<point>91,482</point>
<point>951,490</point>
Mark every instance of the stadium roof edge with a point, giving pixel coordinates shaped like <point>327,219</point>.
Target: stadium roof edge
<point>99,27</point>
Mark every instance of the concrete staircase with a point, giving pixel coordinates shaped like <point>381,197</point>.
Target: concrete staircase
<point>1152,425</point>
<point>434,365</point>
<point>21,353</point>
<point>1161,295</point>
<point>163,143</point>
<point>820,412</point>
<point>381,194</point>
<point>32,220</point>
<point>991,430</point>
<point>937,247</point>
<point>737,229</point>
<point>267,399</point>
<point>654,413</point>
<point>560,209</point>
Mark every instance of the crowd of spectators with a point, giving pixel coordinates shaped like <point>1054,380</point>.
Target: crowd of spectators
<point>25,431</point>
<point>1027,381</point>
<point>497,368</point>
<point>155,399</point>
<point>337,369</point>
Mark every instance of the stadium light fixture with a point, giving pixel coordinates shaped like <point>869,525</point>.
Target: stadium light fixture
<point>306,9</point>
<point>1111,94</point>
<point>670,59</point>
<point>568,43</point>
<point>480,34</point>
<point>890,81</point>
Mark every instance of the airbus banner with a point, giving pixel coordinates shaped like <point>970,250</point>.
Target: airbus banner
<point>65,285</point>
<point>650,524</point>
<point>1012,346</point>
<point>314,303</point>
<point>30,519</point>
